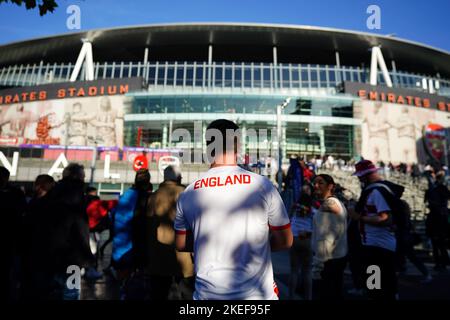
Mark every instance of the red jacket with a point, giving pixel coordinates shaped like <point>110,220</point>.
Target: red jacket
<point>98,209</point>
<point>307,174</point>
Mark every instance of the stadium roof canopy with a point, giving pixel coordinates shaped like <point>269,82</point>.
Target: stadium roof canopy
<point>232,42</point>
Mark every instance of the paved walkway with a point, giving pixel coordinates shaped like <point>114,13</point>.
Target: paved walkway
<point>410,286</point>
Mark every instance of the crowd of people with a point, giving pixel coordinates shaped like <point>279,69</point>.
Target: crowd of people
<point>414,170</point>
<point>332,230</point>
<point>59,227</point>
<point>213,239</point>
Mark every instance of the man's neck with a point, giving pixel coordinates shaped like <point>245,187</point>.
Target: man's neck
<point>216,165</point>
<point>224,160</point>
<point>375,178</point>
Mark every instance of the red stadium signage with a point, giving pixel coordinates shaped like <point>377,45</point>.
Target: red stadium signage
<point>106,87</point>
<point>397,95</point>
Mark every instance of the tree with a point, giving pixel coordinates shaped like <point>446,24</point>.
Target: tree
<point>44,5</point>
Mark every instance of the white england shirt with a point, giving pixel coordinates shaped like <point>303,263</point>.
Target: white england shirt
<point>229,211</point>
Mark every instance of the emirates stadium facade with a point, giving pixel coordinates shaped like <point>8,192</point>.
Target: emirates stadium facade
<point>129,89</point>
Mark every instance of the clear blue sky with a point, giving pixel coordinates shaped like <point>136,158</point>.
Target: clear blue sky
<point>418,20</point>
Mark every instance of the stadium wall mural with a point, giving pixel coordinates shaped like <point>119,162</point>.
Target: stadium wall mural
<point>96,121</point>
<point>394,133</point>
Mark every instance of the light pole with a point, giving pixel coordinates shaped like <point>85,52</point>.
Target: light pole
<point>280,108</point>
<point>446,153</point>
<point>93,163</point>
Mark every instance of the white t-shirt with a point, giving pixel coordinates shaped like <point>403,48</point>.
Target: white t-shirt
<point>229,211</point>
<point>378,236</point>
<point>329,236</point>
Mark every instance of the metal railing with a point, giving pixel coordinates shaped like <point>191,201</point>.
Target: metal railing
<point>218,75</point>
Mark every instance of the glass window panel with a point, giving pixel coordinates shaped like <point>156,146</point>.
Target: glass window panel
<point>257,76</point>
<point>199,76</point>
<point>180,74</point>
<point>189,76</point>
<point>160,75</point>
<point>218,75</point>
<point>228,75</point>
<point>247,76</point>
<point>170,75</point>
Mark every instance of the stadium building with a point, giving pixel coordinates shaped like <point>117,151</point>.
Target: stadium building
<point>123,92</point>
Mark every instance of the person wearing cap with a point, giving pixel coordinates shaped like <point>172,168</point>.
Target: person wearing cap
<point>166,267</point>
<point>376,229</point>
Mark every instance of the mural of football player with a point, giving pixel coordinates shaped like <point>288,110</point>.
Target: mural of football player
<point>105,123</point>
<point>77,125</point>
<point>407,134</point>
<point>378,126</point>
<point>15,121</point>
<point>44,128</point>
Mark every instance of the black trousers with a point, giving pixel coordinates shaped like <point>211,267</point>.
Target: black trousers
<point>356,267</point>
<point>407,251</point>
<point>440,253</point>
<point>331,284</point>
<point>386,261</point>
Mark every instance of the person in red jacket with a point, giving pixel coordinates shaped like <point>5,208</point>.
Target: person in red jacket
<point>97,211</point>
<point>308,175</point>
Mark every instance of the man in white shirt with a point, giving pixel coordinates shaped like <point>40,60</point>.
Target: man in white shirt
<point>231,219</point>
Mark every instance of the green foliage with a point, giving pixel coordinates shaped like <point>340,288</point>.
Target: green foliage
<point>44,5</point>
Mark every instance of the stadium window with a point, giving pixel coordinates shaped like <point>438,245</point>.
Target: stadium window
<point>180,74</point>
<point>285,76</point>
<point>116,71</point>
<point>295,76</point>
<point>257,76</point>
<point>237,76</point>
<point>314,79</point>
<point>125,71</point>
<point>160,80</point>
<point>332,76</point>
<point>305,78</point>
<point>133,70</point>
<point>228,76</point>
<point>247,76</point>
<point>108,71</point>
<point>199,76</point>
<point>218,76</point>
<point>323,78</point>
<point>189,76</point>
<point>170,75</point>
<point>266,74</point>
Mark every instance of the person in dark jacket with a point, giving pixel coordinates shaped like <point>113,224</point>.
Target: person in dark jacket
<point>69,236</point>
<point>165,266</point>
<point>12,207</point>
<point>36,270</point>
<point>437,197</point>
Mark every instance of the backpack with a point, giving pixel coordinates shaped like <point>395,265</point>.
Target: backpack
<point>400,209</point>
